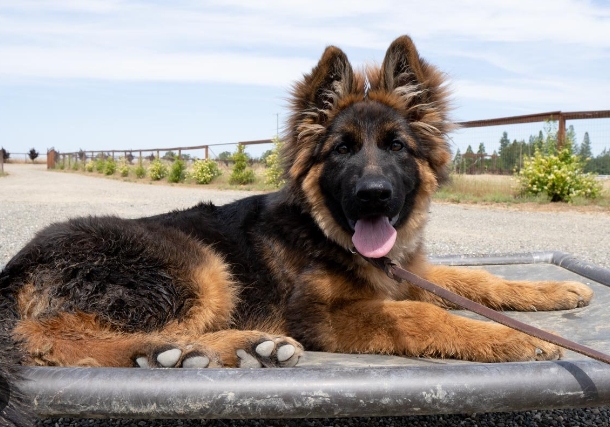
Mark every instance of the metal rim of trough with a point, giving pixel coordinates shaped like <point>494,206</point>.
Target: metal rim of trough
<point>333,391</point>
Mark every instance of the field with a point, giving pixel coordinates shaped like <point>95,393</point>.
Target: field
<point>503,189</point>
<point>468,189</point>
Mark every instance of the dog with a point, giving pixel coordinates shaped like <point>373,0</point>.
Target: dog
<point>256,282</point>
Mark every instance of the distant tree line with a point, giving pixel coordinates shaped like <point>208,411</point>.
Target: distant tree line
<point>508,159</point>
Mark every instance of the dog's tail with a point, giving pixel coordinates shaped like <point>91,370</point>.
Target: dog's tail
<point>14,406</point>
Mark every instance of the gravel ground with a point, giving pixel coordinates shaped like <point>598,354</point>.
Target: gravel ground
<point>31,197</point>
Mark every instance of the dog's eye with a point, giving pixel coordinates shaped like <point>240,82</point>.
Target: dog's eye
<point>342,149</point>
<point>396,145</point>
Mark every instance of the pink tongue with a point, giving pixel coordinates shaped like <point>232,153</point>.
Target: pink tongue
<point>374,237</point>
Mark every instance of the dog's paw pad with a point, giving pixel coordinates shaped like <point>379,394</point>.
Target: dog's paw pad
<point>142,362</point>
<point>169,358</point>
<point>246,360</point>
<point>196,362</point>
<point>265,348</point>
<point>270,352</point>
<point>285,352</point>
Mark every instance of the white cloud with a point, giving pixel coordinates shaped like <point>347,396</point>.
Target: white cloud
<point>181,40</point>
<point>536,95</point>
<point>110,65</point>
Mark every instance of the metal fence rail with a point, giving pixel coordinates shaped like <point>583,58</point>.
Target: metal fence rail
<point>499,145</point>
<point>480,146</point>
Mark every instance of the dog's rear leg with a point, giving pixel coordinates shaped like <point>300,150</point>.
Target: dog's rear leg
<point>80,340</point>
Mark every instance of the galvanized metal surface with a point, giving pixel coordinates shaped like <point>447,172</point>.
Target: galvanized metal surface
<point>336,385</point>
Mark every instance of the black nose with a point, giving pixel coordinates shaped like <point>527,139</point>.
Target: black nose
<point>373,190</point>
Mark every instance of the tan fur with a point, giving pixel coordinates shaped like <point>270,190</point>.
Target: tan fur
<point>216,298</point>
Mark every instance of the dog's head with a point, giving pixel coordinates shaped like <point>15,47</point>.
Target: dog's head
<point>366,150</point>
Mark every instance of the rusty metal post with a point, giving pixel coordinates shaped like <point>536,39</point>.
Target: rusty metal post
<point>180,154</point>
<point>158,155</point>
<point>206,152</point>
<point>50,159</point>
<point>2,160</point>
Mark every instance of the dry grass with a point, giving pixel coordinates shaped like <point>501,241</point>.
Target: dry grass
<point>472,189</point>
<point>502,189</point>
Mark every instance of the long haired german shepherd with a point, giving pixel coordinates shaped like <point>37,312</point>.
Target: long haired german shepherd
<point>255,282</point>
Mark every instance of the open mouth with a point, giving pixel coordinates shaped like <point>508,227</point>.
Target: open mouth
<point>374,236</point>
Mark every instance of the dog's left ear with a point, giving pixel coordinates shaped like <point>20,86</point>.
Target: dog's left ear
<point>424,95</point>
<point>402,65</point>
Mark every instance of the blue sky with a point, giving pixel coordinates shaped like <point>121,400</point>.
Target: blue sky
<point>126,74</point>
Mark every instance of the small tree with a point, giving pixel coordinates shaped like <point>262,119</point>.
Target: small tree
<point>5,154</point>
<point>33,154</point>
<point>274,171</point>
<point>241,173</point>
<point>176,172</point>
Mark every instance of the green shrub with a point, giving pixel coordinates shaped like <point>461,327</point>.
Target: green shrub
<point>110,167</point>
<point>274,171</point>
<point>559,175</point>
<point>204,171</point>
<point>123,167</point>
<point>100,165</point>
<point>75,166</point>
<point>157,170</point>
<point>89,166</point>
<point>241,174</point>
<point>176,172</point>
<point>140,171</point>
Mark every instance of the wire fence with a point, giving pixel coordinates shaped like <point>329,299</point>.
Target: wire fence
<point>219,152</point>
<point>499,146</point>
<point>494,146</point>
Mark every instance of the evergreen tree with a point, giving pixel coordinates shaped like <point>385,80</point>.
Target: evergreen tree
<point>585,148</point>
<point>599,164</point>
<point>241,173</point>
<point>481,149</point>
<point>571,136</point>
<point>458,162</point>
<point>504,141</point>
<point>468,159</point>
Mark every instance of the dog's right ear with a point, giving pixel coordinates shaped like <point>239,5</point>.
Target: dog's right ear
<point>319,91</point>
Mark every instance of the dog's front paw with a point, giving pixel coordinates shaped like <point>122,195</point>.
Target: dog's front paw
<point>564,296</point>
<point>514,346</point>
